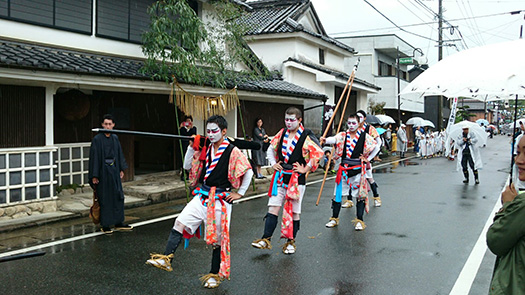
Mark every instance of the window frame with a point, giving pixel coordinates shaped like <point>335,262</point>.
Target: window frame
<point>128,40</point>
<point>9,17</point>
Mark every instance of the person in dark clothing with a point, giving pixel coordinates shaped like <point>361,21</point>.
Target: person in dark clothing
<point>260,136</point>
<point>186,129</point>
<point>106,169</point>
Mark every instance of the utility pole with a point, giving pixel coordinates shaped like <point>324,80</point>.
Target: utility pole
<point>398,89</point>
<point>440,56</point>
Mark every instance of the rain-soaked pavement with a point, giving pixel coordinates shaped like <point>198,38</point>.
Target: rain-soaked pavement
<point>416,243</point>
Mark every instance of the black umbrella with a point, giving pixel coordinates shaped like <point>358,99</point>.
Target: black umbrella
<point>371,119</point>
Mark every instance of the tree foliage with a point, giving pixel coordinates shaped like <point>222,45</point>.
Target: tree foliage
<point>196,51</point>
<point>463,114</point>
<point>376,108</point>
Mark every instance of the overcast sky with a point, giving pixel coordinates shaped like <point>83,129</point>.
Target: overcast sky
<point>356,17</point>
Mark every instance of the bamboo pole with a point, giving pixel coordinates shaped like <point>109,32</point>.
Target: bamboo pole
<point>351,82</point>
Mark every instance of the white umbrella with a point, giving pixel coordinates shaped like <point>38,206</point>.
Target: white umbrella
<point>456,130</point>
<point>416,121</point>
<point>427,123</point>
<point>491,72</point>
<point>385,119</point>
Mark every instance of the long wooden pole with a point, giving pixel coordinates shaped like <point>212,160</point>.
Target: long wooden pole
<point>351,80</point>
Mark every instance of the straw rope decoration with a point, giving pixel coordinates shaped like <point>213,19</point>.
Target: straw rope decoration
<point>204,106</point>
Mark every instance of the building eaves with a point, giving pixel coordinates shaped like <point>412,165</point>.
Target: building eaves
<point>333,72</point>
<point>19,55</point>
<point>270,17</point>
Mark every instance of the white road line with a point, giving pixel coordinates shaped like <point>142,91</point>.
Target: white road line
<point>146,222</point>
<point>470,269</point>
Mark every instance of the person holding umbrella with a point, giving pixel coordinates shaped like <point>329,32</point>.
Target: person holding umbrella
<point>468,154</point>
<point>506,236</point>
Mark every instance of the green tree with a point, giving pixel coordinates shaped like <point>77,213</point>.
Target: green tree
<point>376,108</point>
<point>463,114</point>
<point>179,43</point>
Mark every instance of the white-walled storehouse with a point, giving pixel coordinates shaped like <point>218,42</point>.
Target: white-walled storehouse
<point>287,35</point>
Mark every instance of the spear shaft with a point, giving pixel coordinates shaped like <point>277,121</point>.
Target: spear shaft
<point>351,82</point>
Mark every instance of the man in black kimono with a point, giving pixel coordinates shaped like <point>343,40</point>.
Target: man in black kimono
<point>106,169</point>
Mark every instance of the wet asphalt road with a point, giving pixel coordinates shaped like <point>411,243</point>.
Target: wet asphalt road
<point>416,243</point>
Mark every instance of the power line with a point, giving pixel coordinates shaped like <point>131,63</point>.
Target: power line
<point>475,22</point>
<point>427,23</point>
<point>395,23</point>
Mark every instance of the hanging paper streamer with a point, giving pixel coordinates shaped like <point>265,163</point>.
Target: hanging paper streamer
<point>204,106</point>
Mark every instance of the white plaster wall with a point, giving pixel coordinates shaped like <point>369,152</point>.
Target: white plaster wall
<point>273,53</point>
<point>60,38</point>
<point>36,34</point>
<point>388,94</point>
<point>362,101</point>
<point>365,68</point>
<point>307,22</point>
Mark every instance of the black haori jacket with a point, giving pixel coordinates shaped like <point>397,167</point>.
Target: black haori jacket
<point>295,157</point>
<point>219,176</point>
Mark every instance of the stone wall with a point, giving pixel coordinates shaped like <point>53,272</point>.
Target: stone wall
<point>25,210</point>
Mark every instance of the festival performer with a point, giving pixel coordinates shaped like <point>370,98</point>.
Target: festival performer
<point>355,147</point>
<point>402,141</point>
<point>369,129</point>
<point>468,154</point>
<point>218,167</point>
<point>292,153</point>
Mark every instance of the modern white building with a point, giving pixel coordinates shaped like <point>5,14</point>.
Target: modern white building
<point>378,55</point>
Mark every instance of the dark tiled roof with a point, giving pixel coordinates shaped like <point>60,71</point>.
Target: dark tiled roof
<point>23,55</point>
<point>280,16</point>
<point>333,72</point>
<point>31,56</point>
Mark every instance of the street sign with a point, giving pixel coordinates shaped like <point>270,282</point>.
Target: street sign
<point>406,61</point>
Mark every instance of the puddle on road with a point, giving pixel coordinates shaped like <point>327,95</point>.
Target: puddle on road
<point>395,235</point>
<point>393,166</point>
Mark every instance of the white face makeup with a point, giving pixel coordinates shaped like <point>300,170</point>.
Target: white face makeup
<point>352,124</point>
<point>213,132</point>
<point>291,122</point>
<point>361,118</point>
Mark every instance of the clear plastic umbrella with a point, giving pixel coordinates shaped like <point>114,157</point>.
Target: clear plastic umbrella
<point>456,130</point>
<point>385,119</point>
<point>416,121</point>
<point>428,123</point>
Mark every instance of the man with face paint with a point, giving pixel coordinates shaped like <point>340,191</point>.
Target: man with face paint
<point>355,148</point>
<point>292,154</point>
<point>369,129</point>
<point>218,167</point>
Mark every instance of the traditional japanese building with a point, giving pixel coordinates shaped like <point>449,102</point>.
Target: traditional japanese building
<point>64,64</point>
